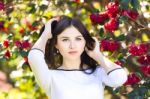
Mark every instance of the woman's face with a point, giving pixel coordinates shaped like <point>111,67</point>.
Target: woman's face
<point>70,43</point>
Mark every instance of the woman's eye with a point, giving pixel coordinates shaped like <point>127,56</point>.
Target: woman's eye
<point>78,38</point>
<point>64,39</point>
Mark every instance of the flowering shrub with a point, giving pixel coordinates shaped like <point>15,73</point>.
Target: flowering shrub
<point>122,26</point>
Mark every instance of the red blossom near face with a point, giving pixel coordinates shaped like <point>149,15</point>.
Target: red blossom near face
<point>132,79</point>
<point>112,25</point>
<point>112,9</point>
<point>1,5</point>
<point>18,44</point>
<point>5,43</point>
<point>130,13</point>
<point>25,44</point>
<point>109,45</point>
<point>7,54</point>
<point>145,70</point>
<point>119,63</point>
<point>144,60</point>
<point>97,18</point>
<point>137,50</point>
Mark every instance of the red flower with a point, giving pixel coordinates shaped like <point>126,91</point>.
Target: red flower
<point>7,54</point>
<point>138,50</point>
<point>25,44</point>
<point>5,43</point>
<point>112,9</point>
<point>109,45</point>
<point>18,44</point>
<point>1,24</point>
<point>119,63</point>
<point>1,5</point>
<point>29,25</point>
<point>145,70</point>
<point>144,60</point>
<point>130,13</point>
<point>132,79</point>
<point>112,25</point>
<point>97,18</point>
<point>22,30</point>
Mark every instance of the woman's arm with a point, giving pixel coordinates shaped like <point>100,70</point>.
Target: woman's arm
<point>112,74</point>
<point>41,42</point>
<point>107,64</point>
<point>36,59</point>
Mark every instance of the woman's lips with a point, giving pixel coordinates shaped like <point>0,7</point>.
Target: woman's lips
<point>72,52</point>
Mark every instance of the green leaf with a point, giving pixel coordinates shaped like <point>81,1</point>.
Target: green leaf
<point>35,23</point>
<point>135,4</point>
<point>121,37</point>
<point>43,7</point>
<point>101,32</point>
<point>14,55</point>
<point>123,18</point>
<point>124,4</point>
<point>34,36</point>
<point>32,8</point>
<point>23,53</point>
<point>9,37</point>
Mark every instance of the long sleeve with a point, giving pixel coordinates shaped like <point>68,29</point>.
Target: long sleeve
<point>40,69</point>
<point>114,78</point>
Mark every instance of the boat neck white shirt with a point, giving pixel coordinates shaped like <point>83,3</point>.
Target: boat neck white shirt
<point>73,84</point>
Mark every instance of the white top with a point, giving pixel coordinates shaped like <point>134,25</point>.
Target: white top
<point>73,84</point>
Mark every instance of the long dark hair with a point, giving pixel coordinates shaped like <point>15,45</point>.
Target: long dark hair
<point>54,59</point>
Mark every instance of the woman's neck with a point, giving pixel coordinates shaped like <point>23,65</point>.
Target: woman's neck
<point>71,64</point>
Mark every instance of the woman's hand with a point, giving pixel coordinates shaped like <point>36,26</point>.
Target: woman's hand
<point>95,53</point>
<point>47,30</point>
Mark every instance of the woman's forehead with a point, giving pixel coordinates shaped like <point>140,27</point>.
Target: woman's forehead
<point>70,32</point>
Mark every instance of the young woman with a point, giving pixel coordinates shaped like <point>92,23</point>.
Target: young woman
<point>67,63</point>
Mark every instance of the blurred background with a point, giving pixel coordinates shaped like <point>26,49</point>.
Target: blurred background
<point>122,26</point>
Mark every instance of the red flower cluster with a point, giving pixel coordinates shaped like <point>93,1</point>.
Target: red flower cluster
<point>109,45</point>
<point>138,50</point>
<point>112,12</point>
<point>132,79</point>
<point>112,25</point>
<point>112,9</point>
<point>1,5</point>
<point>7,54</point>
<point>130,14</point>
<point>99,18</point>
<point>145,70</point>
<point>144,60</point>
<point>120,63</point>
<point>23,44</point>
<point>5,43</point>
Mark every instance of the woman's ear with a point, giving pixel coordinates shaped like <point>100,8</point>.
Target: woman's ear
<point>56,46</point>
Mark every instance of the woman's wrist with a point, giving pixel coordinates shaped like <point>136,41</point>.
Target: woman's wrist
<point>46,35</point>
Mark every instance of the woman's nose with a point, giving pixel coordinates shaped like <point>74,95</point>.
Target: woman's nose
<point>72,44</point>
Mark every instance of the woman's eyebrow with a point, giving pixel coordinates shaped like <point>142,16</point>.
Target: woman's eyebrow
<point>68,37</point>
